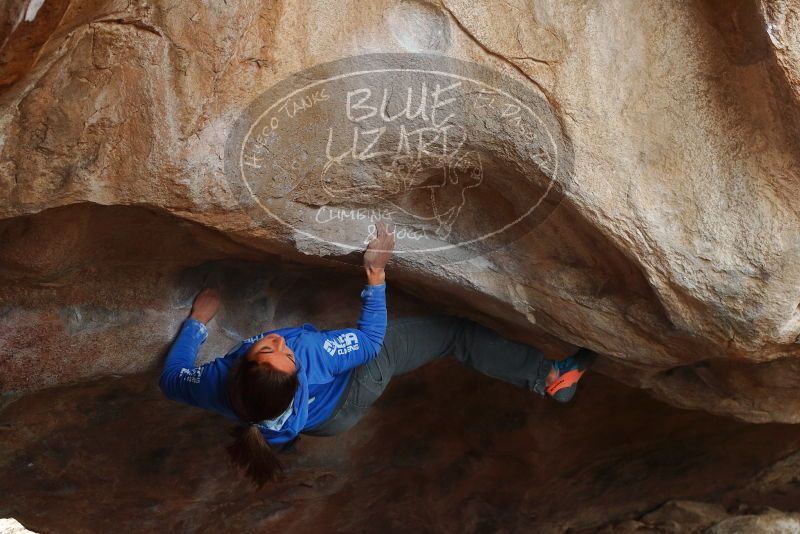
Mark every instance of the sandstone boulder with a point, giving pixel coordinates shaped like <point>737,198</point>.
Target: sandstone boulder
<point>672,246</point>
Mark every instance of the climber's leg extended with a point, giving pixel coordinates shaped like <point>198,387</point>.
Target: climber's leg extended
<point>414,341</point>
<point>419,340</point>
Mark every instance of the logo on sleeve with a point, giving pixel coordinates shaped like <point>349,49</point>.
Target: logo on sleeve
<point>191,375</point>
<point>341,344</point>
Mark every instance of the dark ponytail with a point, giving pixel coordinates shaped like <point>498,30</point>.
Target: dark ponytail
<point>257,392</point>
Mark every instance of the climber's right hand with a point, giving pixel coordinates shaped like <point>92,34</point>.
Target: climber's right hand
<point>379,250</point>
<point>205,305</point>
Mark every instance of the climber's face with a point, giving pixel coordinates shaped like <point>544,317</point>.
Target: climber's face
<point>273,350</point>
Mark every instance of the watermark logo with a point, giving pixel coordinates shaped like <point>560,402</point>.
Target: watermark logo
<point>460,159</point>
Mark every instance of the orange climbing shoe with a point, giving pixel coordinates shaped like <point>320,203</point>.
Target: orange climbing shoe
<point>567,373</point>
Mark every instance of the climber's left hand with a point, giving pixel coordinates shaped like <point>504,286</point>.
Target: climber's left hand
<point>205,306</point>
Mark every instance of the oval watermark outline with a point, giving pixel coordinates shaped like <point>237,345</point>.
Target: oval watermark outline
<point>553,179</point>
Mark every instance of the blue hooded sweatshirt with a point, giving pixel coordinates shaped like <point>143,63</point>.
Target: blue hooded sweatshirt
<point>324,362</point>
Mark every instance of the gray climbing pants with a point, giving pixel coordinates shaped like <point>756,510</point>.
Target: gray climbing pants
<point>412,342</point>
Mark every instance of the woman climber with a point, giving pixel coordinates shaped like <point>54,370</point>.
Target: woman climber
<point>289,381</point>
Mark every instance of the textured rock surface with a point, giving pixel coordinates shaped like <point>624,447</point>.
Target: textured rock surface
<point>675,252</point>
<point>12,526</point>
<point>444,450</point>
<point>695,517</point>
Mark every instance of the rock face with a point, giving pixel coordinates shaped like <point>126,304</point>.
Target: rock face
<point>617,175</point>
<point>445,449</point>
<point>674,248</point>
<point>673,251</point>
<point>691,517</point>
<point>12,526</point>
